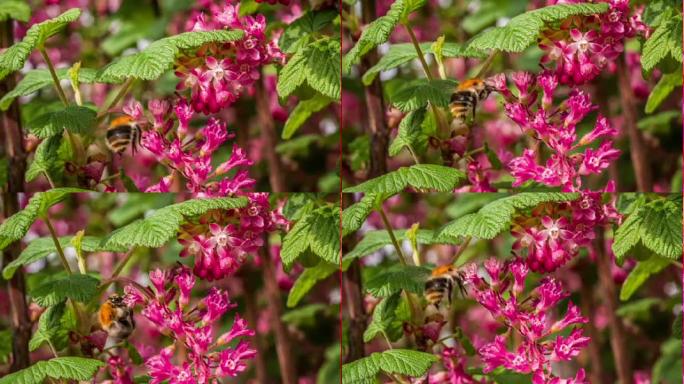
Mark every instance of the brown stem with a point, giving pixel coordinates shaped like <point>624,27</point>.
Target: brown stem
<point>270,139</point>
<point>283,347</point>
<point>618,341</point>
<point>638,149</point>
<point>353,297</point>
<point>596,372</point>
<point>12,148</point>
<point>376,127</point>
<point>248,278</point>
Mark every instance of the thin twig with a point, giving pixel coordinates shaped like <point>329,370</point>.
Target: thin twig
<point>416,45</point>
<point>120,95</point>
<point>486,64</point>
<point>55,79</point>
<point>122,263</point>
<point>49,179</point>
<point>461,249</point>
<point>388,227</point>
<point>55,240</point>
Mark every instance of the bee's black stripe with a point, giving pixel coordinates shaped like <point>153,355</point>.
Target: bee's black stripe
<point>119,131</point>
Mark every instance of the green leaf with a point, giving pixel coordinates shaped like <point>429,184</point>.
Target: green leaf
<point>302,112</point>
<point>75,119</point>
<point>659,122</point>
<point>399,54</point>
<point>384,319</point>
<point>70,368</point>
<point>159,227</point>
<point>665,41</point>
<point>16,226</point>
<point>677,326</point>
<point>668,367</point>
<point>47,159</point>
<point>355,215</point>
<point>43,247</point>
<point>523,30</point>
<point>317,231</point>
<point>299,31</point>
<point>38,79</point>
<point>15,10</point>
<point>642,272</point>
<point>421,92</point>
<point>374,34</point>
<point>373,241</point>
<point>5,346</point>
<point>397,278</point>
<point>410,134</point>
<point>50,328</point>
<point>308,279</point>
<point>76,287</point>
<point>496,216</point>
<point>662,90</point>
<point>419,176</point>
<point>14,57</point>
<point>316,64</point>
<point>400,361</point>
<point>158,57</point>
<point>657,225</point>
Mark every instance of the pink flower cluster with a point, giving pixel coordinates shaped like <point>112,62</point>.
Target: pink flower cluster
<point>533,110</point>
<point>584,46</point>
<point>167,305</point>
<point>454,369</point>
<point>221,240</point>
<point>218,73</point>
<point>539,345</point>
<point>553,234</point>
<point>189,154</point>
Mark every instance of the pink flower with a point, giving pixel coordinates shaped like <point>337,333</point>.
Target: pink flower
<point>193,328</point>
<point>569,347</point>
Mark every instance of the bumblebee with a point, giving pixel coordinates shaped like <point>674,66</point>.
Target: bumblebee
<point>441,283</point>
<point>122,132</point>
<point>465,98</point>
<point>116,318</point>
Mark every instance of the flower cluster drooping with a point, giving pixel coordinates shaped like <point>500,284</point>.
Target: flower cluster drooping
<point>532,108</point>
<point>553,234</point>
<point>221,240</point>
<point>189,154</point>
<point>167,305</point>
<point>530,318</point>
<point>584,45</point>
<point>219,73</point>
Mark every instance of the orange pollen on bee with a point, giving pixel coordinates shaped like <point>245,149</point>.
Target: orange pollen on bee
<point>121,120</point>
<point>470,83</point>
<point>106,314</point>
<point>444,269</point>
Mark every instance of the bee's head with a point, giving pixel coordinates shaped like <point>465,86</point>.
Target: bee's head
<point>116,300</point>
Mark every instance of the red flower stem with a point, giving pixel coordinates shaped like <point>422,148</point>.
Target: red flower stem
<point>283,346</point>
<point>596,372</point>
<point>269,137</point>
<point>12,148</point>
<point>252,315</point>
<point>617,332</point>
<point>376,127</point>
<point>637,147</point>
